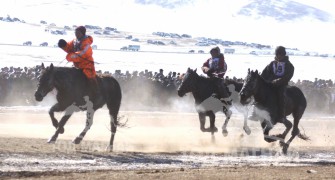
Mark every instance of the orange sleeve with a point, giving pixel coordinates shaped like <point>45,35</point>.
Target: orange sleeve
<point>69,47</point>
<point>69,58</point>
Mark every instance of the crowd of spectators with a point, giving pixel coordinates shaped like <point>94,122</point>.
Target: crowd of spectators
<point>147,89</point>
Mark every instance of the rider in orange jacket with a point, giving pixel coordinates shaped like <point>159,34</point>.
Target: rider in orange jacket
<point>80,53</point>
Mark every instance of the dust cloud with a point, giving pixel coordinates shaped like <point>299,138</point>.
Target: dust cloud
<point>157,121</point>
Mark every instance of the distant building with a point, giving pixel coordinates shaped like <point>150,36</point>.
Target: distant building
<point>229,51</point>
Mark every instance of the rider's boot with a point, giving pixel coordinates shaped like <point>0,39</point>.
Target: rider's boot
<point>224,94</point>
<point>94,89</point>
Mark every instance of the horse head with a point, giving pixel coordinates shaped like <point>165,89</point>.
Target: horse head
<point>188,83</point>
<point>249,87</point>
<point>45,84</point>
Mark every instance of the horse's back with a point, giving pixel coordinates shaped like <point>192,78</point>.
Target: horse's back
<point>110,86</point>
<point>296,95</point>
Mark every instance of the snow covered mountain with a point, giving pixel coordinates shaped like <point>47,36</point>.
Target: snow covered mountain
<point>305,24</point>
<point>284,10</point>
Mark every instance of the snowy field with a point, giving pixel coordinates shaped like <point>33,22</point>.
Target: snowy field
<point>306,68</point>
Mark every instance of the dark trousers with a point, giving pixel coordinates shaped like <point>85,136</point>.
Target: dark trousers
<point>281,91</point>
<point>93,88</point>
<point>220,88</point>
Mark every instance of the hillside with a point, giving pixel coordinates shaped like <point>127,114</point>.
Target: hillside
<point>281,22</point>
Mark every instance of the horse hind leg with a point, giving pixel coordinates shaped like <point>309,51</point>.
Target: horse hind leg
<point>89,122</point>
<point>295,131</point>
<point>113,107</point>
<point>228,114</point>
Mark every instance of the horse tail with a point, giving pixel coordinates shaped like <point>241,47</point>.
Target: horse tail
<point>113,99</point>
<point>303,137</point>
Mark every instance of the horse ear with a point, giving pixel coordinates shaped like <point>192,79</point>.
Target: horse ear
<point>195,70</point>
<point>51,67</point>
<point>248,70</point>
<point>256,71</point>
<point>42,66</point>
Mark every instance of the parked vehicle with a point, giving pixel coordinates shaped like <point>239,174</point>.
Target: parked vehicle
<point>130,48</point>
<point>44,44</point>
<point>27,43</point>
<point>229,51</point>
<point>124,48</point>
<point>133,47</point>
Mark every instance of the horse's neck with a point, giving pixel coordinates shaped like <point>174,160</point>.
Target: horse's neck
<point>262,91</point>
<point>66,80</point>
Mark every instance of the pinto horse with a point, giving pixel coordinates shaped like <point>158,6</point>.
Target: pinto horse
<point>72,96</point>
<point>265,99</point>
<point>202,88</point>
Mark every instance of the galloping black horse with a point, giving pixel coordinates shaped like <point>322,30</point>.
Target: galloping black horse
<point>265,100</point>
<point>72,96</point>
<point>202,88</point>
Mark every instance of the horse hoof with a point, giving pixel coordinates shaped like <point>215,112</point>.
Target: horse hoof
<point>270,139</point>
<point>109,148</point>
<point>77,140</point>
<point>247,130</point>
<point>215,129</point>
<point>224,132</point>
<point>285,147</point>
<point>51,141</point>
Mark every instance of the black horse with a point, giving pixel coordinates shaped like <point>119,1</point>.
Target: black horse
<point>72,96</point>
<point>265,99</point>
<point>202,88</point>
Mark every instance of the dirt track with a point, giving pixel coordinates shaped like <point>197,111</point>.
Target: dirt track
<point>159,145</point>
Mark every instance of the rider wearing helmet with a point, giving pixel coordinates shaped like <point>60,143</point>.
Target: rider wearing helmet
<point>216,67</point>
<point>279,72</point>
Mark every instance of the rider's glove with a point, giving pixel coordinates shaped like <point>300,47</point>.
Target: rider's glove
<point>61,43</point>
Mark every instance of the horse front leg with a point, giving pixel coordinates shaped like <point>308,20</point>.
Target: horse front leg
<point>212,127</point>
<point>60,128</point>
<point>89,122</point>
<point>202,120</point>
<point>266,130</point>
<point>53,109</point>
<point>228,114</point>
<point>245,125</point>
<point>282,136</point>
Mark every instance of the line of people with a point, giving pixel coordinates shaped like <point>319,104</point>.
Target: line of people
<point>79,51</point>
<point>17,86</point>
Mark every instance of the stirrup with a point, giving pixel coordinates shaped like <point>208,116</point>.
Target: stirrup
<point>215,95</point>
<point>227,101</point>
